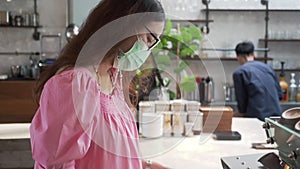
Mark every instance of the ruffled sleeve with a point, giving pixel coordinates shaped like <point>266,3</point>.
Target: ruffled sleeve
<point>59,135</point>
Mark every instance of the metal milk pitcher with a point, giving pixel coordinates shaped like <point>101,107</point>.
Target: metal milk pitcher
<point>209,90</point>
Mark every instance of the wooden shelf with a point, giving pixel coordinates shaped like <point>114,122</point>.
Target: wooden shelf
<point>281,40</point>
<point>252,10</point>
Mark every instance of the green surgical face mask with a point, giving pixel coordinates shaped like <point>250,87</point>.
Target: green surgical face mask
<point>135,57</point>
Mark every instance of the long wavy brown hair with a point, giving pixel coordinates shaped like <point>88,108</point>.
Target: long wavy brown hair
<point>105,12</point>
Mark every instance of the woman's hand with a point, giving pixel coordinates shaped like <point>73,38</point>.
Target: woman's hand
<point>153,165</point>
<point>158,166</point>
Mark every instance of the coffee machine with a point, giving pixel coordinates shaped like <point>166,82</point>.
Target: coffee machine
<point>284,132</point>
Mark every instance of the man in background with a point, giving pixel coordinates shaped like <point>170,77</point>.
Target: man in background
<point>257,89</point>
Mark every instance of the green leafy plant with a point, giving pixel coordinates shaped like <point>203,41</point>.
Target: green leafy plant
<point>178,44</point>
<point>185,39</point>
<point>188,84</point>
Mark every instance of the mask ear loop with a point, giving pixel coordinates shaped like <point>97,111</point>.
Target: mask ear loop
<point>138,37</point>
<point>118,96</point>
<point>116,63</point>
<point>119,102</point>
<point>117,74</point>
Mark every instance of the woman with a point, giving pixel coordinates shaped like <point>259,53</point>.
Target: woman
<point>83,120</point>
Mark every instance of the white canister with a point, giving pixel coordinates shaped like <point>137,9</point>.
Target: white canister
<point>167,126</point>
<point>178,121</point>
<point>192,106</point>
<point>188,129</point>
<point>144,107</point>
<point>196,117</point>
<point>152,125</point>
<point>178,105</point>
<point>162,106</point>
<point>147,106</point>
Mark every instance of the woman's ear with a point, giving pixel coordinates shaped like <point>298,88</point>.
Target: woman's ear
<point>127,44</point>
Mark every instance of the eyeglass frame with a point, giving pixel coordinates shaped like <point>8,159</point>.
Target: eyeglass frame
<point>157,39</point>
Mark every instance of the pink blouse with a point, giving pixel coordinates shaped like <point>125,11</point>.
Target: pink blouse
<point>77,126</point>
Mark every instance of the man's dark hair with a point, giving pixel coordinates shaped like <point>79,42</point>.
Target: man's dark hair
<point>244,49</point>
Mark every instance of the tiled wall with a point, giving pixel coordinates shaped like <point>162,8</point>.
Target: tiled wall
<point>52,17</point>
<point>227,30</point>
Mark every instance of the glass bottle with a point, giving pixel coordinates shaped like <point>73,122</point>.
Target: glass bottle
<point>298,92</point>
<point>283,84</point>
<point>292,88</point>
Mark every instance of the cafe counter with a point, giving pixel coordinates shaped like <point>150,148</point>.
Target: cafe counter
<point>200,151</point>
<point>203,151</point>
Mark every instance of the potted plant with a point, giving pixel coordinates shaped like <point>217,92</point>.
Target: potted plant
<point>177,44</point>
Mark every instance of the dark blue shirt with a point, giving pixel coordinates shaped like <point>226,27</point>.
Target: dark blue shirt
<point>257,90</point>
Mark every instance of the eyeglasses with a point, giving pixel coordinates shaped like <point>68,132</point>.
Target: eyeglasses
<point>154,42</point>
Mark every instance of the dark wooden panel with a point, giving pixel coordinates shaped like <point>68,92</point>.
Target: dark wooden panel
<point>16,89</point>
<point>16,101</point>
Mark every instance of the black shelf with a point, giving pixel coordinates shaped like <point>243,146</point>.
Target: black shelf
<point>231,49</point>
<point>288,70</point>
<point>192,21</point>
<point>253,10</point>
<point>221,58</point>
<point>20,53</point>
<point>10,26</point>
<point>19,79</point>
<point>280,40</point>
